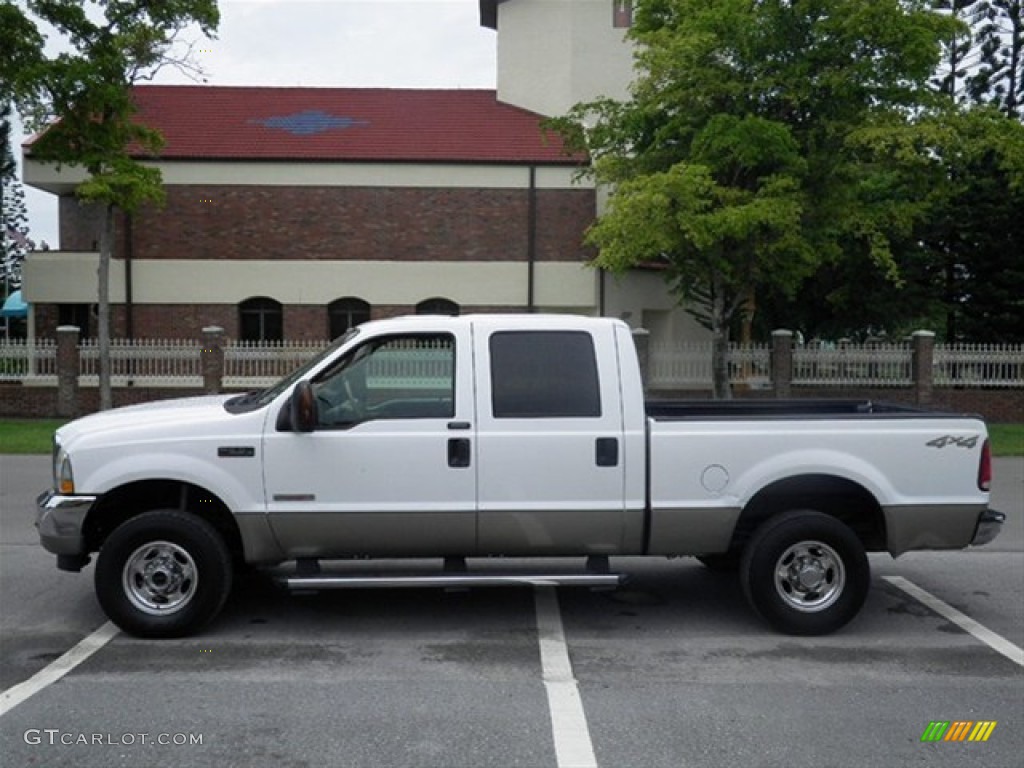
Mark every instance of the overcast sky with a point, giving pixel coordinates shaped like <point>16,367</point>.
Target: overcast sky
<point>355,43</point>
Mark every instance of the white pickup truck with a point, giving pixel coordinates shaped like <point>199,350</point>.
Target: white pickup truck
<point>501,436</point>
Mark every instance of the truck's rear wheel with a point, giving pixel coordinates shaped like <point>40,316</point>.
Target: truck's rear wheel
<point>163,574</point>
<point>805,573</point>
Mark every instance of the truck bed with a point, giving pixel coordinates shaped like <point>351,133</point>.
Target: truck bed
<point>683,410</point>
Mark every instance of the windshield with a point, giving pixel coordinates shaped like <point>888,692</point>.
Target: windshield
<point>252,401</point>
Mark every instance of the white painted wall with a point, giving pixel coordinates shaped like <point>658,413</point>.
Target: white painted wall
<point>328,174</point>
<point>642,299</point>
<point>64,277</point>
<point>553,54</point>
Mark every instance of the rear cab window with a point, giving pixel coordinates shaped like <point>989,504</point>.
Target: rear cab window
<point>544,375</point>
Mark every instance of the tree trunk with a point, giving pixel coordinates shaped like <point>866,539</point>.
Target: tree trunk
<point>720,341</point>
<point>103,301</point>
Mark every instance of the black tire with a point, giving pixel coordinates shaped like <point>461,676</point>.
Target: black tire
<point>163,574</point>
<point>721,562</point>
<point>805,573</point>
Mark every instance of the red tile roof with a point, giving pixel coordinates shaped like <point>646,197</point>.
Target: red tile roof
<point>355,124</point>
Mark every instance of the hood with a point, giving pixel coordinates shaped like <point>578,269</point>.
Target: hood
<point>162,413</point>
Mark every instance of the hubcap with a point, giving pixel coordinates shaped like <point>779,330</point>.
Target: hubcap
<point>160,578</point>
<point>809,576</point>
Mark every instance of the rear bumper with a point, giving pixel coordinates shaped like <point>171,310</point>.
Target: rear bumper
<point>59,521</point>
<point>939,526</point>
<point>990,523</point>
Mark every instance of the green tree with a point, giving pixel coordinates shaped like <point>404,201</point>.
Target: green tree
<point>84,96</point>
<point>974,230</point>
<point>959,266</point>
<point>747,156</point>
<point>13,214</point>
<point>998,79</point>
<point>958,68</point>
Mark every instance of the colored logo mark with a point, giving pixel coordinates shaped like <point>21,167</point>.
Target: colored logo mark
<point>310,122</point>
<point>958,730</point>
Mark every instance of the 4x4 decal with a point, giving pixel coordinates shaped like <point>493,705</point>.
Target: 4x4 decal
<point>959,442</point>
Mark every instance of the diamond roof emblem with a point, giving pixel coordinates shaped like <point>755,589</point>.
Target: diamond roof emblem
<point>310,122</point>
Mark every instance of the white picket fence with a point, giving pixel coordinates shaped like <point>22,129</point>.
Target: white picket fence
<point>22,359</point>
<point>687,365</point>
<point>249,364</point>
<point>979,365</point>
<point>862,365</point>
<point>177,363</point>
<point>153,363</point>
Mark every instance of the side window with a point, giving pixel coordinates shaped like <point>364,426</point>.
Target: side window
<point>622,13</point>
<point>260,319</point>
<point>395,377</point>
<point>544,375</point>
<point>344,314</point>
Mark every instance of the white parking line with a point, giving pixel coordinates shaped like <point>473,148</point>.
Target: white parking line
<point>57,668</point>
<point>573,748</point>
<point>997,642</point>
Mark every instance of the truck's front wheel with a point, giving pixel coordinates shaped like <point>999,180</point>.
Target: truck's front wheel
<point>163,574</point>
<point>805,573</point>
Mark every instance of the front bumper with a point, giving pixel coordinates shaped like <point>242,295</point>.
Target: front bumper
<point>990,523</point>
<point>59,521</point>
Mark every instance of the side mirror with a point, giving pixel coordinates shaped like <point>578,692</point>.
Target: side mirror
<point>303,407</point>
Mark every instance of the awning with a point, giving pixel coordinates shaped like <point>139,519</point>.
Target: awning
<point>14,306</point>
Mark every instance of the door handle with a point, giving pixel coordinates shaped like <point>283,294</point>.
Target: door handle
<point>606,452</point>
<point>459,452</point>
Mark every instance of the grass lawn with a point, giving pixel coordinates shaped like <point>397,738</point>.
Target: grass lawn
<point>1007,439</point>
<point>34,436</point>
<point>27,435</point>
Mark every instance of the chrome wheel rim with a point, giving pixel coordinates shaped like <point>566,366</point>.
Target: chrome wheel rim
<point>809,576</point>
<point>160,578</point>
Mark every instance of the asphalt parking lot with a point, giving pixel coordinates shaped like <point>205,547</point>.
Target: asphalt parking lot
<point>671,670</point>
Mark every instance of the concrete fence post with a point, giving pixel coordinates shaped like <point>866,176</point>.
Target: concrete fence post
<point>212,358</point>
<point>642,341</point>
<point>782,362</point>
<point>922,361</point>
<point>67,370</point>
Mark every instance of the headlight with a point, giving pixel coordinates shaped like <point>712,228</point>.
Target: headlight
<point>63,477</point>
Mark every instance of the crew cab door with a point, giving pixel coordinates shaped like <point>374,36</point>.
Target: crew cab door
<point>389,469</point>
<point>550,440</point>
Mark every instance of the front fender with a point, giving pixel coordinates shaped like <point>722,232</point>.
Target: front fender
<point>241,491</point>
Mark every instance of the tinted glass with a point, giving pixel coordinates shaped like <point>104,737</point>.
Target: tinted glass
<point>544,374</point>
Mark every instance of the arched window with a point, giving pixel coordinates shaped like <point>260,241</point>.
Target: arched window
<point>346,313</point>
<point>437,306</point>
<point>260,319</point>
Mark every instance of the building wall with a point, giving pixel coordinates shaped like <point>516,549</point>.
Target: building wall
<point>393,243</point>
<point>176,297</point>
<point>368,224</point>
<point>302,322</point>
<point>569,46</point>
<point>79,225</point>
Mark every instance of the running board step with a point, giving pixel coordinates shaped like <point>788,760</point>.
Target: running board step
<point>325,581</point>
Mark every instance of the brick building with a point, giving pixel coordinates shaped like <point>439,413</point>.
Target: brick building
<point>296,212</point>
<point>292,212</point>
